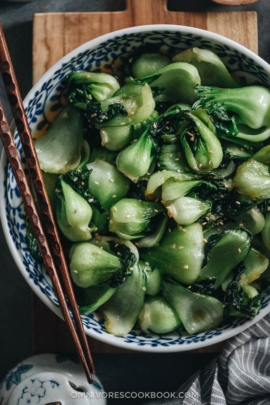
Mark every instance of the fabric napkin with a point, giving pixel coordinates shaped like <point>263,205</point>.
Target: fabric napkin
<point>239,375</point>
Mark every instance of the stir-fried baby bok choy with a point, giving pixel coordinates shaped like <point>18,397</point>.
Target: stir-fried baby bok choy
<point>197,312</point>
<point>174,83</point>
<point>160,183</point>
<point>211,69</point>
<point>85,86</point>
<point>202,148</point>
<point>250,104</point>
<point>59,149</point>
<point>91,264</point>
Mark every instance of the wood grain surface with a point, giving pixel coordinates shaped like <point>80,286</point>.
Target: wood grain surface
<point>56,34</point>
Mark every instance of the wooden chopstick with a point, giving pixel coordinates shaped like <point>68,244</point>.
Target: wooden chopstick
<point>54,242</point>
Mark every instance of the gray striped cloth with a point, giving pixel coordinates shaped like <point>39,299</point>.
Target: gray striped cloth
<point>239,375</point>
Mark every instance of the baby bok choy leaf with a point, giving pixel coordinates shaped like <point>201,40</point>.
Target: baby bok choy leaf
<point>252,177</point>
<point>117,138</point>
<point>157,179</point>
<point>85,86</point>
<point>59,149</point>
<point>106,183</point>
<point>155,237</point>
<point>211,69</point>
<point>174,83</point>
<point>216,118</point>
<point>131,104</point>
<point>179,254</point>
<point>250,104</point>
<point>147,64</point>
<point>242,300</point>
<point>135,160</point>
<point>172,157</point>
<point>153,278</point>
<point>174,188</point>
<point>255,264</point>
<point>197,312</point>
<point>91,265</point>
<point>158,316</point>
<point>186,210</point>
<point>225,252</point>
<point>91,298</point>
<point>202,148</point>
<point>253,135</point>
<point>266,232</point>
<point>122,309</point>
<point>253,220</point>
<point>73,213</point>
<point>131,218</point>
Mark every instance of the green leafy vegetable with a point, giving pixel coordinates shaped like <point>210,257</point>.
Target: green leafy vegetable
<point>90,265</point>
<point>250,104</point>
<point>123,308</point>
<point>85,86</point>
<point>179,254</point>
<point>64,137</point>
<point>202,148</point>
<point>211,69</point>
<point>130,218</point>
<point>198,312</point>
<point>158,316</point>
<point>225,252</point>
<point>106,183</point>
<point>73,213</point>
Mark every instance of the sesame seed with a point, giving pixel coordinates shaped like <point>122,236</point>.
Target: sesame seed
<point>156,210</point>
<point>185,266</point>
<point>146,263</point>
<point>96,182</point>
<point>205,240</point>
<point>210,152</point>
<point>128,216</point>
<point>237,202</point>
<point>112,180</point>
<point>144,288</point>
<point>75,271</point>
<point>180,247</point>
<point>239,250</point>
<point>90,200</point>
<point>113,196</point>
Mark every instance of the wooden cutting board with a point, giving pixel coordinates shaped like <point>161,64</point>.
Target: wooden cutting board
<point>56,34</point>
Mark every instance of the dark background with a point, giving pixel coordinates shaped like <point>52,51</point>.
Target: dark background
<point>118,372</point>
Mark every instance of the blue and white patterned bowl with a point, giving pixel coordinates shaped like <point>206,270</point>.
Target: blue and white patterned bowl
<point>44,100</point>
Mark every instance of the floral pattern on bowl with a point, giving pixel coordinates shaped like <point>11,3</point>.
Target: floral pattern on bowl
<point>43,102</point>
<point>48,378</point>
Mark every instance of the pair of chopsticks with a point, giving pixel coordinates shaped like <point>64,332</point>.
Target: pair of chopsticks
<point>49,241</point>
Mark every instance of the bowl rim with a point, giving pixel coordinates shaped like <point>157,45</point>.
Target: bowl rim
<point>92,44</point>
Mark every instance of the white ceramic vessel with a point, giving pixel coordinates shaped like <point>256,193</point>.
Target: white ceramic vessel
<point>44,99</point>
<point>49,379</point>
